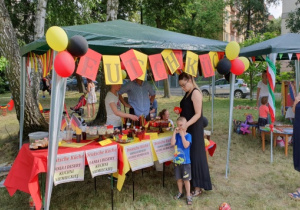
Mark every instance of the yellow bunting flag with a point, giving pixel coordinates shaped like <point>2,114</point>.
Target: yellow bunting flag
<point>112,70</point>
<point>170,60</point>
<point>214,58</point>
<point>191,63</point>
<point>142,58</point>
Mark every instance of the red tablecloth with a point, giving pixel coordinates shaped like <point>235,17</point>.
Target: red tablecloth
<point>23,175</point>
<point>211,147</point>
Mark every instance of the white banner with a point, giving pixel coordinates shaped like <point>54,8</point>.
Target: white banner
<point>139,155</point>
<point>103,160</point>
<point>163,149</point>
<point>69,167</point>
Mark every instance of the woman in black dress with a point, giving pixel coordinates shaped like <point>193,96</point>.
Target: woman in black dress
<point>191,106</point>
<point>296,143</point>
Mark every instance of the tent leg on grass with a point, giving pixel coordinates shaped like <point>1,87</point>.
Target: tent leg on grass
<point>112,190</point>
<point>212,102</point>
<point>132,185</point>
<point>163,175</point>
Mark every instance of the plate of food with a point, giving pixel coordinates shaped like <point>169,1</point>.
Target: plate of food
<point>39,144</point>
<point>124,141</point>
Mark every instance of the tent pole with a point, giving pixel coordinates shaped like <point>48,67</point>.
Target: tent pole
<point>22,97</point>
<point>297,75</point>
<point>56,110</point>
<point>232,82</point>
<point>212,102</point>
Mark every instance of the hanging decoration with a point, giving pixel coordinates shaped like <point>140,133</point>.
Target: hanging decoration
<point>214,59</point>
<point>245,62</point>
<point>112,69</point>
<point>57,38</point>
<point>224,66</point>
<point>170,60</point>
<point>232,50</point>
<point>206,66</point>
<point>179,57</point>
<point>77,46</point>
<point>142,58</point>
<point>64,64</point>
<point>191,63</point>
<point>237,66</point>
<point>131,64</point>
<point>158,67</point>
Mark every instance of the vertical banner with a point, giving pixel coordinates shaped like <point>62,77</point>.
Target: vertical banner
<point>69,167</point>
<point>170,60</point>
<point>191,63</point>
<point>89,64</point>
<point>139,155</point>
<point>103,160</point>
<point>131,64</point>
<point>142,58</point>
<point>206,66</point>
<point>178,54</point>
<point>214,58</point>
<point>158,67</point>
<point>112,69</point>
<point>163,149</point>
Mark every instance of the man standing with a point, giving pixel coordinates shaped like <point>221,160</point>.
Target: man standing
<point>138,92</point>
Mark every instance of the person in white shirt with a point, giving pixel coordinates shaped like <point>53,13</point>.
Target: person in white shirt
<point>262,89</point>
<point>113,108</point>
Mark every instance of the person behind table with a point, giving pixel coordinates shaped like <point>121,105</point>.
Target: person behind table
<point>164,115</point>
<point>296,143</point>
<point>153,108</point>
<point>138,92</point>
<point>92,98</point>
<point>262,88</point>
<point>191,109</point>
<point>263,112</point>
<point>182,141</point>
<point>113,108</point>
<point>46,86</point>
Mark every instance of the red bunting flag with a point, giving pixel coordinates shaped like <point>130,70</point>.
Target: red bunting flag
<point>178,54</point>
<point>131,64</point>
<point>89,64</point>
<point>158,67</point>
<point>298,56</point>
<point>221,55</point>
<point>206,66</point>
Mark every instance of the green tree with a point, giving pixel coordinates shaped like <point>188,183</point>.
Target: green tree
<point>293,20</point>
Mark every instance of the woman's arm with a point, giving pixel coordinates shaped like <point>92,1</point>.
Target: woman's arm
<point>257,95</point>
<point>197,102</point>
<point>122,114</point>
<point>88,87</point>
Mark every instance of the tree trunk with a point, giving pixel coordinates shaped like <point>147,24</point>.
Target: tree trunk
<point>40,19</point>
<point>33,120</point>
<point>80,84</point>
<point>112,9</point>
<point>248,21</point>
<point>167,93</point>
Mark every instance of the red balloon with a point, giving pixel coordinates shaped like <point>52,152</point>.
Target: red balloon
<point>237,66</point>
<point>64,64</point>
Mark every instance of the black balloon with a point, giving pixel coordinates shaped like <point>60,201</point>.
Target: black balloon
<point>224,66</point>
<point>77,46</point>
<point>205,122</point>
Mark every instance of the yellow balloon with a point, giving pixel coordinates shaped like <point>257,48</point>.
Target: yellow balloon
<point>245,61</point>
<point>57,38</point>
<point>232,50</point>
<point>124,74</point>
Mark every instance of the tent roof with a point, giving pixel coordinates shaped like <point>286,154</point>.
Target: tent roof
<point>287,43</point>
<point>117,37</point>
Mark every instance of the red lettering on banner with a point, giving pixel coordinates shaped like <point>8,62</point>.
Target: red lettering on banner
<point>158,67</point>
<point>89,64</point>
<point>131,64</point>
<point>206,66</point>
<point>178,54</point>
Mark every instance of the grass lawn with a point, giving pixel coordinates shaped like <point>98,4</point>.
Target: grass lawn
<point>253,182</point>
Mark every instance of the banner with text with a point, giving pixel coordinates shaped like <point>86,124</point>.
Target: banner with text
<point>139,155</point>
<point>69,167</point>
<point>89,64</point>
<point>131,64</point>
<point>142,58</point>
<point>206,66</point>
<point>163,149</point>
<point>112,69</point>
<point>103,160</point>
<point>158,67</point>
<point>171,60</point>
<point>191,63</point>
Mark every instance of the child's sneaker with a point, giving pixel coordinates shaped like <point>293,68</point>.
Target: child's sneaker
<point>178,196</point>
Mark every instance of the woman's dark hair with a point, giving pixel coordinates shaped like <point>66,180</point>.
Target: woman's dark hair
<point>161,113</point>
<point>185,76</point>
<point>89,80</point>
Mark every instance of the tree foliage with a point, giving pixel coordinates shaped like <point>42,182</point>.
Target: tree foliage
<point>293,20</point>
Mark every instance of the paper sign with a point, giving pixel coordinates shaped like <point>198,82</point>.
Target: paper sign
<point>69,167</point>
<point>214,58</point>
<point>131,64</point>
<point>163,149</point>
<point>178,54</point>
<point>158,67</point>
<point>105,142</point>
<point>139,155</point>
<point>89,64</point>
<point>112,70</point>
<point>191,63</point>
<point>102,160</point>
<point>142,58</point>
<point>170,60</point>
<point>206,66</point>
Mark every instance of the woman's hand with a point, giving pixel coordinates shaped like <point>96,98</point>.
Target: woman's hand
<point>134,118</point>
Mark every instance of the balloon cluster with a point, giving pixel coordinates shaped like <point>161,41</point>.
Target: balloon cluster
<point>77,46</point>
<point>232,63</point>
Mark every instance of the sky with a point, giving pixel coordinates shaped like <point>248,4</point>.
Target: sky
<point>276,11</point>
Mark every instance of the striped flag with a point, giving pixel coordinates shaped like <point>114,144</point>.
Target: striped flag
<point>63,123</point>
<point>271,74</point>
<point>74,122</point>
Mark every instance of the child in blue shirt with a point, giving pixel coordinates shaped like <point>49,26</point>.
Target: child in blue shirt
<point>182,142</point>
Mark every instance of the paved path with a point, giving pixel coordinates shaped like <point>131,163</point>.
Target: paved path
<point>180,92</point>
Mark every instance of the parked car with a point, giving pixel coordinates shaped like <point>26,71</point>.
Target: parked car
<point>223,88</point>
<point>72,83</point>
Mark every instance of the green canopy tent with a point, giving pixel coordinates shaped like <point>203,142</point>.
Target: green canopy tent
<point>108,38</point>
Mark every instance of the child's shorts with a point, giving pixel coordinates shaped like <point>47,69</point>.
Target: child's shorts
<point>183,171</point>
<point>262,121</point>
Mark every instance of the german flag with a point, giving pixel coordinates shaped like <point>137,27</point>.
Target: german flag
<point>63,123</point>
<point>74,122</point>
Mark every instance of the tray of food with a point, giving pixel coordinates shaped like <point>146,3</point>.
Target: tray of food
<point>124,141</point>
<point>39,144</point>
